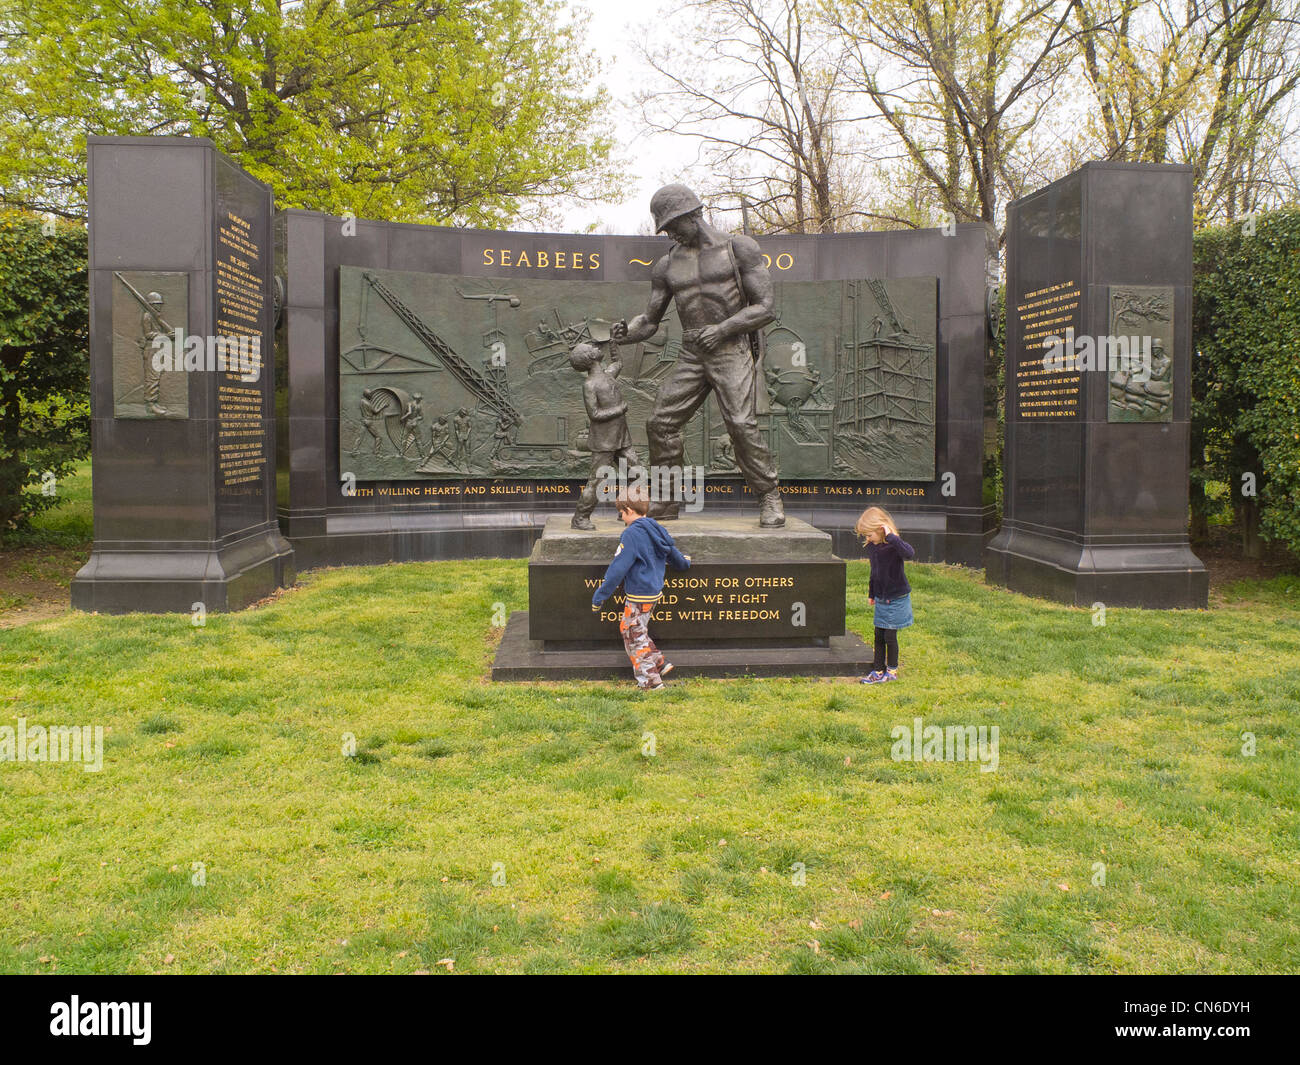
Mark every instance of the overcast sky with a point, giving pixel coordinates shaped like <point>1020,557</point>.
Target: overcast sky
<point>652,160</point>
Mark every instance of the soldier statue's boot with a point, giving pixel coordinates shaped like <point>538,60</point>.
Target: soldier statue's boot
<point>579,522</point>
<point>664,510</point>
<point>157,410</point>
<point>771,511</point>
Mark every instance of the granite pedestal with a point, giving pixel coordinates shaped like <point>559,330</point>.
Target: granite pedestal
<point>763,602</point>
<point>1096,458</point>
<point>183,450</point>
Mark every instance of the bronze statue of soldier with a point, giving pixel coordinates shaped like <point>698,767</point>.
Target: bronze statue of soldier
<point>723,294</point>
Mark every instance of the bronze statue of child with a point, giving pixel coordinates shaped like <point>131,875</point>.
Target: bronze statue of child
<point>609,437</point>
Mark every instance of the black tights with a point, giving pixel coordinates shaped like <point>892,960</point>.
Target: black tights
<point>886,645</point>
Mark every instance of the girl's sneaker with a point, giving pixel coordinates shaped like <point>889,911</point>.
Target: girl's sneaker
<point>875,677</point>
<point>891,674</point>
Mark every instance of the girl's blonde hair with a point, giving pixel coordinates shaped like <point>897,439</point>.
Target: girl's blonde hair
<point>874,518</point>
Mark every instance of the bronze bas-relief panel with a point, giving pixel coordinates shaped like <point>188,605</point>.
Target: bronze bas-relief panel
<point>449,377</point>
<point>1143,391</point>
<point>148,305</point>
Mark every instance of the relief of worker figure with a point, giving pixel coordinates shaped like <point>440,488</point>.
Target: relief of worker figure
<point>1149,395</point>
<point>608,437</point>
<point>723,293</point>
<point>410,421</point>
<point>503,436</point>
<point>439,440</point>
<point>463,427</point>
<point>374,406</point>
<point>726,457</point>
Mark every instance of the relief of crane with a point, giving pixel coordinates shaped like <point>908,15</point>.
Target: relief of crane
<point>487,392</point>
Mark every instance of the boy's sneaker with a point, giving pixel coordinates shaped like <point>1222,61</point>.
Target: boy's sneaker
<point>874,677</point>
<point>655,687</point>
<point>665,669</point>
<point>891,674</point>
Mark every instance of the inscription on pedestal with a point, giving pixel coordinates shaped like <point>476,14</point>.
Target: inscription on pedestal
<point>792,603</point>
<point>782,587</point>
<point>1047,315</point>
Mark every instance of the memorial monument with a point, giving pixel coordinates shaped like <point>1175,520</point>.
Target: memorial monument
<point>423,403</point>
<point>1099,267</point>
<point>756,600</point>
<point>182,392</point>
<point>870,389</point>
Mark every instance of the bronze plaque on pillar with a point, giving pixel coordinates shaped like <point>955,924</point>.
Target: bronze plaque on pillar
<point>150,310</point>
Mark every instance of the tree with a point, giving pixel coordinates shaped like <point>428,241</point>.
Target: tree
<point>44,328</point>
<point>966,90</point>
<point>758,82</point>
<point>1211,84</point>
<point>1245,375</point>
<point>447,111</point>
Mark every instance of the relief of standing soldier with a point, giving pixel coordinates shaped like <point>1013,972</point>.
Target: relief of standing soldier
<point>152,327</point>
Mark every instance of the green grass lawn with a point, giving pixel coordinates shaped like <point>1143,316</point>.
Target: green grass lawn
<point>68,524</point>
<point>1120,745</point>
<point>36,563</point>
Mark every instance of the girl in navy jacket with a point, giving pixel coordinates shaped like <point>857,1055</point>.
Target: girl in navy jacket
<point>888,589</point>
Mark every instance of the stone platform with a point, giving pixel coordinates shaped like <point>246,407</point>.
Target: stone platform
<point>764,602</point>
<point>705,537</point>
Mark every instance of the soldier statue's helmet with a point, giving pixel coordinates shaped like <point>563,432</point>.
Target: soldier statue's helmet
<point>155,298</point>
<point>672,201</point>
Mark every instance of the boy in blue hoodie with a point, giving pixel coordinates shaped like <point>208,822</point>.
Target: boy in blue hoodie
<point>639,564</point>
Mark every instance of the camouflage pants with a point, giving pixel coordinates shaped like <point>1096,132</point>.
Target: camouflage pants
<point>641,650</point>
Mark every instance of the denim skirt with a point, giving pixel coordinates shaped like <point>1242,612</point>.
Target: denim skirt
<point>894,613</point>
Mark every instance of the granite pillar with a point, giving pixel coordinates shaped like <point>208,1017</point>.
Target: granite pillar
<point>182,445</point>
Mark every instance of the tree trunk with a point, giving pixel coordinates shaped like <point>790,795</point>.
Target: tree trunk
<point>1200,523</point>
<point>13,470</point>
<point>1248,514</point>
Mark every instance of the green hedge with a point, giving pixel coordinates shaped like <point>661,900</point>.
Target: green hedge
<point>1246,373</point>
<point>44,361</point>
